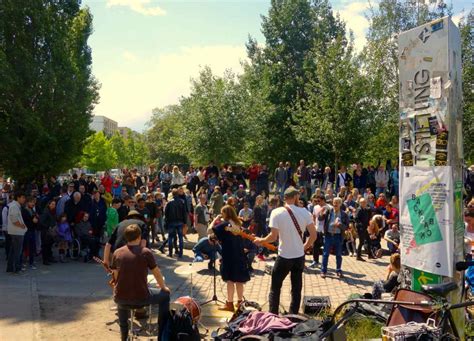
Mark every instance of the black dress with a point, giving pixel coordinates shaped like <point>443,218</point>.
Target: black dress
<point>234,262</point>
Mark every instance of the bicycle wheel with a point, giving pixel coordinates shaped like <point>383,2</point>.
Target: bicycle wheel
<point>75,249</point>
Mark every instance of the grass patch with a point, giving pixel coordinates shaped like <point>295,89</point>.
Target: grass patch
<point>363,328</point>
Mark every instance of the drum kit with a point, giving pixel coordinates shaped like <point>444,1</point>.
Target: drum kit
<point>188,302</point>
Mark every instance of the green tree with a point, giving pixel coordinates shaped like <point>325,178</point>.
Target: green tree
<point>467,41</point>
<point>380,63</point>
<point>163,137</point>
<point>119,147</point>
<point>211,120</point>
<point>137,150</point>
<point>98,153</point>
<point>337,114</point>
<point>293,30</point>
<point>47,90</point>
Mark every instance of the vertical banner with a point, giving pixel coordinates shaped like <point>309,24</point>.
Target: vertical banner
<point>431,156</point>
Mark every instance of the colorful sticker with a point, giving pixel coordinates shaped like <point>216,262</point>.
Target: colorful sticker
<point>423,218</point>
<point>407,159</point>
<point>423,278</point>
<point>433,125</point>
<point>442,140</point>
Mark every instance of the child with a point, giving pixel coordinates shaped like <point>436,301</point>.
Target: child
<point>65,237</point>
<point>350,239</point>
<point>112,216</point>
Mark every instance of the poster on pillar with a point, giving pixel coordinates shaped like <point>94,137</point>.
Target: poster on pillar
<point>425,219</point>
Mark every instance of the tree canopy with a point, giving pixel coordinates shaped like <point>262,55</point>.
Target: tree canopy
<point>47,91</point>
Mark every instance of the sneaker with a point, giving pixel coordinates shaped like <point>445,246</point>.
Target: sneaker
<point>313,265</point>
<point>360,259</point>
<point>323,275</point>
<point>339,274</point>
<point>33,267</point>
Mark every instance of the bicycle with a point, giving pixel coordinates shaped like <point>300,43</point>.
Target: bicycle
<point>435,305</point>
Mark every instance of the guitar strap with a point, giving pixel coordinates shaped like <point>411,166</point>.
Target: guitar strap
<point>295,222</point>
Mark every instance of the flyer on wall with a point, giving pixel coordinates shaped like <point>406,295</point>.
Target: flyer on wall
<point>427,230</point>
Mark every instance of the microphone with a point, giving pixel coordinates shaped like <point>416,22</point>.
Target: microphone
<point>461,266</point>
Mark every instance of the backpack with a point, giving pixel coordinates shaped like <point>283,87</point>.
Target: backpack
<point>181,327</point>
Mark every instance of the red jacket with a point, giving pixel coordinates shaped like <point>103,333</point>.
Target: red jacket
<point>107,183</point>
<point>253,173</point>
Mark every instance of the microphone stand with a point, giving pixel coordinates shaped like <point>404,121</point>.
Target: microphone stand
<point>214,296</point>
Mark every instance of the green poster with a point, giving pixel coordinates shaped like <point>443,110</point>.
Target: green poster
<point>424,221</point>
<point>422,278</point>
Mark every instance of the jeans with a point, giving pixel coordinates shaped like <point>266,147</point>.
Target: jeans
<point>29,243</point>
<point>174,228</point>
<point>14,256</point>
<point>378,191</point>
<point>157,297</point>
<point>282,267</point>
<point>317,246</point>
<point>280,189</point>
<point>335,240</point>
<point>392,248</point>
<point>8,242</point>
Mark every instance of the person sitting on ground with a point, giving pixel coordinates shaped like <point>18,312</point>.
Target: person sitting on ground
<point>206,248</point>
<point>130,265</point>
<point>246,214</point>
<point>392,237</point>
<point>392,281</point>
<point>375,226</point>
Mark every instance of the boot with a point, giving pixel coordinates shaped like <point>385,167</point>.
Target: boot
<point>239,302</point>
<point>229,306</point>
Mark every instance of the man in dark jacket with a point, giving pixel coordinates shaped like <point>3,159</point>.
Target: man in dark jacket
<point>175,216</point>
<point>362,222</point>
<point>72,208</point>
<point>98,214</point>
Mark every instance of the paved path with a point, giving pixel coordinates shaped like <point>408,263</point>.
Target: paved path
<point>72,301</point>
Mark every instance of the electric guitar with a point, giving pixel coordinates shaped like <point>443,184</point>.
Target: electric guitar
<point>109,271</point>
<point>239,232</point>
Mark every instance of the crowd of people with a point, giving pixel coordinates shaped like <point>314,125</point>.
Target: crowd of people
<point>350,210</point>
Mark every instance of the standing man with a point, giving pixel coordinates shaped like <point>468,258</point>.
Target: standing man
<point>16,231</point>
<point>288,223</point>
<point>304,177</point>
<point>362,223</point>
<point>381,180</point>
<point>336,224</point>
<point>201,217</point>
<point>318,217</point>
<point>281,179</point>
<point>130,265</point>
<point>343,179</point>
<point>175,216</point>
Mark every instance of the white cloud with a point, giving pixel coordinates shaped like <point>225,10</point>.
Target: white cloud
<point>129,94</point>
<point>129,56</point>
<point>353,13</point>
<point>139,6</point>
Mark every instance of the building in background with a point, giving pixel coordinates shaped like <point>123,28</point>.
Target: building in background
<point>105,124</point>
<point>126,132</point>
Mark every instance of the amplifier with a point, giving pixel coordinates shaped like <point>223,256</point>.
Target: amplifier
<point>316,305</point>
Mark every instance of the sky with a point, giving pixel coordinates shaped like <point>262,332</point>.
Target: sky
<point>146,51</point>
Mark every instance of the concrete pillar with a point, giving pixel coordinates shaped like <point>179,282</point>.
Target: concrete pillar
<point>431,154</point>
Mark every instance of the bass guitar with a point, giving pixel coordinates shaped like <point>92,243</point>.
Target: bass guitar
<point>239,232</point>
<point>112,281</point>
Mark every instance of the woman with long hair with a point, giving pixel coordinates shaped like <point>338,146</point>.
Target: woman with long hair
<point>234,269</point>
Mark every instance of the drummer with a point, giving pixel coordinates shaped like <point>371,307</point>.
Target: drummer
<point>206,248</point>
<point>130,265</point>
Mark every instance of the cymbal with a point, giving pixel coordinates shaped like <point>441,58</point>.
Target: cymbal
<point>191,268</point>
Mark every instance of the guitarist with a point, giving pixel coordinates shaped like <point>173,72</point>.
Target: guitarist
<point>130,265</point>
<point>288,224</point>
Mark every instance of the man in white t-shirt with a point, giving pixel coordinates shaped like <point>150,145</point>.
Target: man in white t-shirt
<point>288,223</point>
